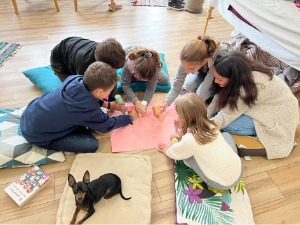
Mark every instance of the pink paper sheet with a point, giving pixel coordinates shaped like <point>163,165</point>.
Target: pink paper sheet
<point>145,133</point>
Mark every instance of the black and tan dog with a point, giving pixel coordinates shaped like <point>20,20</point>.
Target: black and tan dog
<point>89,193</point>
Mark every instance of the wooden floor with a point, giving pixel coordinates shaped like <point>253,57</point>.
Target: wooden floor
<point>273,185</point>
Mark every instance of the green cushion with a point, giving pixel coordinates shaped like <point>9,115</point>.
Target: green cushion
<point>45,79</point>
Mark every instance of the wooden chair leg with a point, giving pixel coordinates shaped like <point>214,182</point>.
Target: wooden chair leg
<point>75,5</point>
<point>15,7</point>
<point>113,6</point>
<point>56,5</point>
<point>208,17</point>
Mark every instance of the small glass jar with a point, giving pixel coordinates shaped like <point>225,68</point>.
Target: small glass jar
<point>144,105</point>
<point>119,98</point>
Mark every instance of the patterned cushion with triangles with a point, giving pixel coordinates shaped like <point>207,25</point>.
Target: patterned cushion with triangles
<point>15,151</point>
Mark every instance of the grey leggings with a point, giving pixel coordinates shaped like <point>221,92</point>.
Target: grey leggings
<point>191,162</point>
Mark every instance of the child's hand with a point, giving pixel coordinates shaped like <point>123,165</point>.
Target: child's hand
<point>157,112</point>
<point>178,123</point>
<point>139,108</point>
<point>117,106</point>
<point>134,114</point>
<point>110,112</point>
<point>162,148</point>
<point>163,107</point>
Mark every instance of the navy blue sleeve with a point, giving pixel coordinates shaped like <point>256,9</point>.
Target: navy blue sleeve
<point>101,102</point>
<point>103,123</point>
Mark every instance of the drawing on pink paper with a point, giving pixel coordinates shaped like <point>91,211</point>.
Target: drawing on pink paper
<point>145,133</point>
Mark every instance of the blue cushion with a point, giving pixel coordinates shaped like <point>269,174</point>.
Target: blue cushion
<point>142,85</point>
<point>45,79</point>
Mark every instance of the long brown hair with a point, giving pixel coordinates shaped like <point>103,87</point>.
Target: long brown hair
<point>238,68</point>
<point>147,62</point>
<point>192,110</point>
<point>199,49</point>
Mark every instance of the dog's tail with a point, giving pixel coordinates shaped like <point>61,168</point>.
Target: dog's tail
<point>123,195</point>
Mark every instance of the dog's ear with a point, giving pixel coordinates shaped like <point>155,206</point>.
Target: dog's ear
<point>71,180</point>
<point>86,177</point>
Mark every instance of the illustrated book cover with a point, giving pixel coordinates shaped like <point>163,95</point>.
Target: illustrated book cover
<point>28,185</point>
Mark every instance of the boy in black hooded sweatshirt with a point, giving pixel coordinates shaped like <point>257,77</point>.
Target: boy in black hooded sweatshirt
<point>73,55</point>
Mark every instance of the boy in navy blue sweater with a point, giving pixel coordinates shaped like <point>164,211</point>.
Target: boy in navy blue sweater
<point>62,119</point>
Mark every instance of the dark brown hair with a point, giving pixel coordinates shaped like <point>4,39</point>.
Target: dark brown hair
<point>199,49</point>
<point>192,110</point>
<point>100,75</point>
<point>147,62</point>
<point>111,52</point>
<point>238,68</point>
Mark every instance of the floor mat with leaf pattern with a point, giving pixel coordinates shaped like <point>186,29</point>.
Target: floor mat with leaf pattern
<point>198,203</point>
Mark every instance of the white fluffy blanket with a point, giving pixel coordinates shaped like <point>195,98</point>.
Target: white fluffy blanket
<point>277,21</point>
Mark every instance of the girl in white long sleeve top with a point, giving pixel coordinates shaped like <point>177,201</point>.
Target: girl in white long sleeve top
<point>216,162</point>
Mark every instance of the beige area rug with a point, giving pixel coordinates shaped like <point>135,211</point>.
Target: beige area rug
<point>135,172</point>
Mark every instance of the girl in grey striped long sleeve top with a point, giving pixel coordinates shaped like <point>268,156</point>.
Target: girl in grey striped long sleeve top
<point>142,64</point>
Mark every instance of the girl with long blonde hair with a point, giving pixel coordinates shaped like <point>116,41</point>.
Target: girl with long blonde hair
<point>201,145</point>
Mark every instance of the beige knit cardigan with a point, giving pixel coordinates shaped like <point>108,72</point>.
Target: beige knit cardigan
<point>275,115</point>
